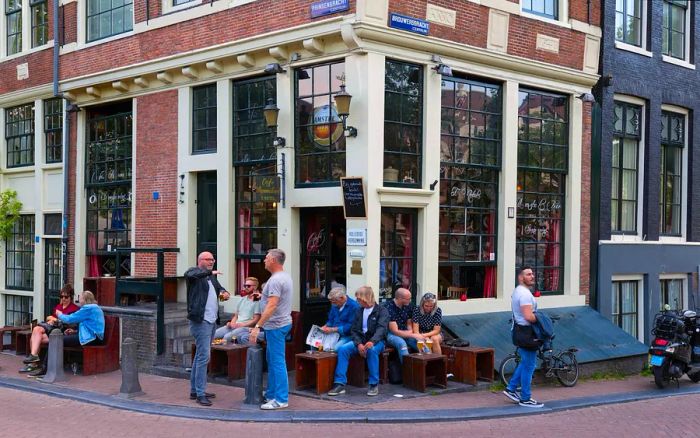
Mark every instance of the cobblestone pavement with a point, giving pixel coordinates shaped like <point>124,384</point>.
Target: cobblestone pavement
<point>29,415</point>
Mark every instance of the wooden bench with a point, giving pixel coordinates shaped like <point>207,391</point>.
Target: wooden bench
<point>97,358</point>
<point>12,330</point>
<point>358,372</point>
<point>22,342</point>
<point>421,370</point>
<point>470,364</point>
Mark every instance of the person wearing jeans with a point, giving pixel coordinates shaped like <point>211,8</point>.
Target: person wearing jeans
<point>276,319</point>
<point>400,334</point>
<point>203,315</point>
<point>368,330</point>
<point>523,305</point>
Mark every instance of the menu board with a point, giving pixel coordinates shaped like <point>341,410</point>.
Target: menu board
<point>353,197</point>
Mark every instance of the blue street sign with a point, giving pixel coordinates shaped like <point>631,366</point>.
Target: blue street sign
<point>328,7</point>
<point>410,24</point>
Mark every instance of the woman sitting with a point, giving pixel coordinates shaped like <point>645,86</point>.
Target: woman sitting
<point>427,321</point>
<point>40,333</point>
<point>90,320</point>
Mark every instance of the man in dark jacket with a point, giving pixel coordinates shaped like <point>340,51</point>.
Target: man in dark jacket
<point>369,329</point>
<point>203,313</point>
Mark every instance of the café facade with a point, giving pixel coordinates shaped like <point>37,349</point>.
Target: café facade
<point>436,146</point>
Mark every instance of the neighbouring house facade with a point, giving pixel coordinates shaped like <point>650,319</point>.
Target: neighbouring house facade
<point>466,146</point>
<point>646,170</point>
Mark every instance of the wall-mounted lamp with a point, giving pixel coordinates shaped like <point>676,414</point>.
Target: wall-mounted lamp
<point>586,97</point>
<point>441,68</point>
<point>274,67</point>
<point>342,104</point>
<point>271,112</point>
<point>432,186</point>
<point>181,198</point>
<point>72,108</point>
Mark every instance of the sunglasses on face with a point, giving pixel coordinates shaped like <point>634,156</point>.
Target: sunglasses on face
<point>248,285</point>
<point>429,296</point>
<point>65,296</point>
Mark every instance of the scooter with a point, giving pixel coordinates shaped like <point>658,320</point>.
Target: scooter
<point>675,349</point>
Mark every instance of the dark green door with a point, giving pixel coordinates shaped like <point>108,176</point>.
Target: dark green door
<point>52,274</point>
<point>206,212</point>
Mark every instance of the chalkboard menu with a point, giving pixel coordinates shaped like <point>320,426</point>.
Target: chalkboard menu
<point>353,197</point>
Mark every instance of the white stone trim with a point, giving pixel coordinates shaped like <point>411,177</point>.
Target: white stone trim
<point>634,49</point>
<point>678,62</point>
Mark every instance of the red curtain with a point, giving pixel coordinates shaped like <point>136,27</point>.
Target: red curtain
<point>93,260</point>
<point>490,271</point>
<point>407,268</point>
<point>243,245</point>
<point>552,256</point>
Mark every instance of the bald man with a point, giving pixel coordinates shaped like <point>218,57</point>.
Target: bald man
<point>400,335</point>
<point>203,292</point>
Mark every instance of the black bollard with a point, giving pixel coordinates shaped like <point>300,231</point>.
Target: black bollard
<point>54,370</point>
<point>130,372</point>
<point>254,375</point>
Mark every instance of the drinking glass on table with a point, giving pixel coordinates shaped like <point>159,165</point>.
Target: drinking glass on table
<point>421,346</point>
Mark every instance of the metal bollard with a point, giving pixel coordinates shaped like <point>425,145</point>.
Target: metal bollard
<point>254,375</point>
<point>54,369</point>
<point>130,372</point>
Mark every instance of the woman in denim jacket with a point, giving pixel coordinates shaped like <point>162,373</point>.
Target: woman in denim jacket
<point>90,320</point>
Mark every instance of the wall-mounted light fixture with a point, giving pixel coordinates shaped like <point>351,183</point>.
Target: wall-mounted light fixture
<point>441,68</point>
<point>271,112</point>
<point>181,197</point>
<point>586,97</point>
<point>342,105</point>
<point>275,68</point>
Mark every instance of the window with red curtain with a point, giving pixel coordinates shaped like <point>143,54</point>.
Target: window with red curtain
<point>542,167</point>
<point>397,260</point>
<point>257,185</point>
<point>470,163</point>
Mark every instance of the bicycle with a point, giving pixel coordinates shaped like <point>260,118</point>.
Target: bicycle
<point>563,365</point>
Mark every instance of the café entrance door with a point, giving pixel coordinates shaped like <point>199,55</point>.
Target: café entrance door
<point>322,261</point>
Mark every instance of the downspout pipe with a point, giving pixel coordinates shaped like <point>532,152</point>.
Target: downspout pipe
<point>56,48</point>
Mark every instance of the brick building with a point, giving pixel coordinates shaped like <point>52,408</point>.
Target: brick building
<point>646,172</point>
<point>471,143</point>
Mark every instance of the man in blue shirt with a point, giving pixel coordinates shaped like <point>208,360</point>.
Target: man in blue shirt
<point>340,317</point>
<point>400,335</point>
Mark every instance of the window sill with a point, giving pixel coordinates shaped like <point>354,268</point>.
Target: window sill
<point>48,45</point>
<point>671,239</point>
<point>105,40</point>
<point>556,22</point>
<point>678,62</point>
<point>625,238</point>
<point>19,169</point>
<point>634,49</point>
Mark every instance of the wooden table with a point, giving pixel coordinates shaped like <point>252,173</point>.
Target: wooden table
<point>471,364</point>
<point>22,342</point>
<point>12,330</point>
<point>421,370</point>
<point>229,359</point>
<point>315,369</point>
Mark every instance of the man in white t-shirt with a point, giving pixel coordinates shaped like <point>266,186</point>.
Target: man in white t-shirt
<point>524,306</point>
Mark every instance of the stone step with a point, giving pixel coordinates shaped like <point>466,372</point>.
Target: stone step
<point>176,329</point>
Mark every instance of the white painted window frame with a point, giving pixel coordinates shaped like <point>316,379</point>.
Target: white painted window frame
<point>640,299</point>
<point>684,281</point>
<point>684,177</point>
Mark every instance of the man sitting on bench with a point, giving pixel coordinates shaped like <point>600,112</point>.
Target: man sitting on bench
<point>368,331</point>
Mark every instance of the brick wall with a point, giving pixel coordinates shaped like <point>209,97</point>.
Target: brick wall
<point>578,10</point>
<point>141,328</point>
<point>40,71</point>
<point>584,286</point>
<point>156,171</point>
<point>69,23</point>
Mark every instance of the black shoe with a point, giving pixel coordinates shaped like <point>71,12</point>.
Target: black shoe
<point>204,401</point>
<point>337,390</point>
<point>193,395</point>
<point>41,372</point>
<point>31,359</point>
<point>30,368</point>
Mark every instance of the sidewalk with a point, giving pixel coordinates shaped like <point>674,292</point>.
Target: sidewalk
<point>170,396</point>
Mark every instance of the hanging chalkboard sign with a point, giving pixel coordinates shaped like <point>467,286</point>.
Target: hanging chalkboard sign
<point>353,197</point>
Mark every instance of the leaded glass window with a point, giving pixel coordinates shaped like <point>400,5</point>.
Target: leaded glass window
<point>403,124</point>
<point>670,194</point>
<point>470,160</point>
<point>19,255</point>
<point>19,133</point>
<point>542,167</point>
<point>320,143</point>
<point>628,21</point>
<point>673,36</point>
<point>204,119</point>
<point>108,183</point>
<point>109,17</point>
<point>257,184</point>
<point>53,130</point>
<point>625,167</point>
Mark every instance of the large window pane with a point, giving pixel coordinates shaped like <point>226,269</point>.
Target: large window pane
<point>18,310</point>
<point>625,163</point>
<point>624,305</point>
<point>397,260</point>
<point>545,8</point>
<point>542,169</point>
<point>13,26</point>
<point>40,22</point>
<point>628,21</point>
<point>672,294</point>
<point>674,29</point>
<point>403,124</point>
<point>470,149</point>
<point>670,194</point>
<point>19,255</point>
<point>19,133</point>
<point>53,130</point>
<point>204,119</point>
<point>105,18</point>
<point>257,185</point>
<point>320,144</point>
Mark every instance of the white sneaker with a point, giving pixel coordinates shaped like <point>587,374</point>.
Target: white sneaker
<point>272,405</point>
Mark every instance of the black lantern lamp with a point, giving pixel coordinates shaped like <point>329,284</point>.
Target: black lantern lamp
<point>342,104</point>
<point>271,112</point>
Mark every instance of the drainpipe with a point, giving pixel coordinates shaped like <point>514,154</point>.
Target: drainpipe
<point>55,48</point>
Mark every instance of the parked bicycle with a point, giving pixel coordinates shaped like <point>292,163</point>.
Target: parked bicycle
<point>561,364</point>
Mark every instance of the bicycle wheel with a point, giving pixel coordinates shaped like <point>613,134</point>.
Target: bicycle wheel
<point>507,367</point>
<point>566,368</point>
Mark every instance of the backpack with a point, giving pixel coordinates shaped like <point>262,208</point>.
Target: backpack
<point>395,372</point>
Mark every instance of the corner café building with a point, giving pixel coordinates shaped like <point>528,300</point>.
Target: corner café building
<point>463,178</point>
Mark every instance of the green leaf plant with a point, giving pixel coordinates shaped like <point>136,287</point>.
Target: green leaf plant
<point>10,207</point>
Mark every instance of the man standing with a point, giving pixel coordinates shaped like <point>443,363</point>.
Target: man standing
<point>341,315</point>
<point>276,319</point>
<point>203,314</point>
<point>401,335</point>
<point>368,335</point>
<point>524,306</point>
